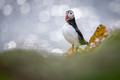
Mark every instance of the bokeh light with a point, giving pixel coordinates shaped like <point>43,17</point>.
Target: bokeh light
<point>25,8</point>
<point>21,2</point>
<point>7,10</point>
<point>44,16</point>
<point>62,9</point>
<point>54,10</point>
<point>59,10</point>
<point>10,45</point>
<point>57,50</point>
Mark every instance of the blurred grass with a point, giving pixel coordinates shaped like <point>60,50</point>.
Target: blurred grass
<point>101,64</point>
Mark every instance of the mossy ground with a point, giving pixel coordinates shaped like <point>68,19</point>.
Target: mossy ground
<point>103,63</point>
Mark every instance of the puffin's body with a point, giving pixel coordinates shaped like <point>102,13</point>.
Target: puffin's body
<point>71,32</point>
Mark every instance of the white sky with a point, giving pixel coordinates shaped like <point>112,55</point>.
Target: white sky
<point>45,18</point>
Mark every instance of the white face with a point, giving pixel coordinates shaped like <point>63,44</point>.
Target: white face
<point>69,15</point>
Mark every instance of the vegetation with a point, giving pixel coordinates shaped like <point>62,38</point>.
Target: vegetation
<point>103,63</point>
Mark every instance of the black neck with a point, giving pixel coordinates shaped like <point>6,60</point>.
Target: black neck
<point>72,22</point>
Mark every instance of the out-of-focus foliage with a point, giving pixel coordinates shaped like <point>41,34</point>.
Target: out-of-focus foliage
<point>103,63</point>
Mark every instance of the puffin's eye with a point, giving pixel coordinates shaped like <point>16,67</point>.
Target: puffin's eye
<point>70,12</point>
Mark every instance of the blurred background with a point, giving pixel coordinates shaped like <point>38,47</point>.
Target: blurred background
<point>37,24</point>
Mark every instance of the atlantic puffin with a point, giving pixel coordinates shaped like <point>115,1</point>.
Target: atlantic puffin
<point>71,31</point>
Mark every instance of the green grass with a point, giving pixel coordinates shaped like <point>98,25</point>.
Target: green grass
<point>101,64</point>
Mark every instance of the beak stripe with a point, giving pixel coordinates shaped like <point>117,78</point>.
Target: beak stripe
<point>66,17</point>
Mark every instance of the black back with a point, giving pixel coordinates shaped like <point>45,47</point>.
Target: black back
<point>80,36</point>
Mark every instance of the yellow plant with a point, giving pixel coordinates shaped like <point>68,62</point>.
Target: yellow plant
<point>98,36</point>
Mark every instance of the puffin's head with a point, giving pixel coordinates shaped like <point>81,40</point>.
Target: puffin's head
<point>69,15</point>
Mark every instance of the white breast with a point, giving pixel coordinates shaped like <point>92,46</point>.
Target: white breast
<point>70,34</point>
